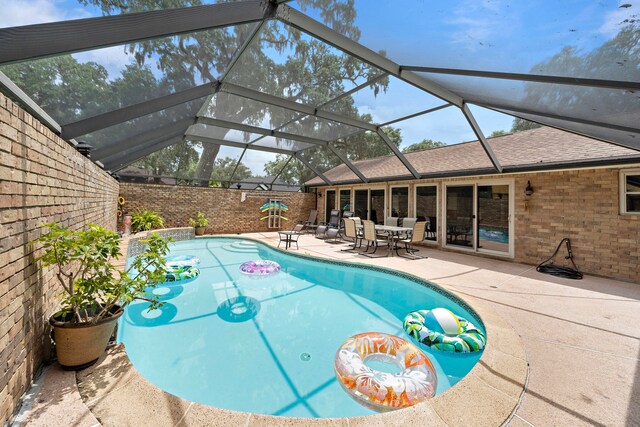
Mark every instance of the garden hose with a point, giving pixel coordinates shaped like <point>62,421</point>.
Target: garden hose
<point>548,267</point>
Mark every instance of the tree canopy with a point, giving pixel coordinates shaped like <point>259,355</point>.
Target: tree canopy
<point>423,145</point>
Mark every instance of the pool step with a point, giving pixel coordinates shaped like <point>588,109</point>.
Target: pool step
<point>242,247</point>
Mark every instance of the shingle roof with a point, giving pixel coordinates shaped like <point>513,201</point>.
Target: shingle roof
<point>541,147</point>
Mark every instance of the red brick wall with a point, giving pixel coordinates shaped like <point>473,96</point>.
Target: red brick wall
<point>581,204</point>
<point>42,179</point>
<point>223,207</point>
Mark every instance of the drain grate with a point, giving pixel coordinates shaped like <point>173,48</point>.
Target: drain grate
<point>305,357</point>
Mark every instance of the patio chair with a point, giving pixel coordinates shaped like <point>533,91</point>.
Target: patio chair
<point>334,222</point>
<point>392,221</point>
<point>310,223</point>
<point>417,236</point>
<point>351,232</point>
<point>432,228</point>
<point>409,223</point>
<point>370,236</point>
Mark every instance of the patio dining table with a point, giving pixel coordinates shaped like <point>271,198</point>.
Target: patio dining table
<point>392,232</point>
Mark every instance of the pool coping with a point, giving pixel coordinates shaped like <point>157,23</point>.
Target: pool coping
<point>488,395</point>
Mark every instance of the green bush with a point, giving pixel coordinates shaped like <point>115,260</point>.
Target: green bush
<point>144,220</point>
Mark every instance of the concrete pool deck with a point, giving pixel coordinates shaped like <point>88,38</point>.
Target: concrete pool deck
<point>579,338</point>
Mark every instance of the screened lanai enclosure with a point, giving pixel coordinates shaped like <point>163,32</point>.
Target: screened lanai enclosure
<point>276,91</point>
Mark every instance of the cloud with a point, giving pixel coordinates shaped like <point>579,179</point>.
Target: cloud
<point>615,20</point>
<point>26,12</point>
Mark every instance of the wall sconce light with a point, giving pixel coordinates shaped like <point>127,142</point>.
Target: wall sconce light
<point>527,195</point>
<point>238,186</point>
<point>319,194</point>
<point>529,190</point>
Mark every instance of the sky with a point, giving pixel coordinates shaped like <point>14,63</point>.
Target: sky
<point>492,35</point>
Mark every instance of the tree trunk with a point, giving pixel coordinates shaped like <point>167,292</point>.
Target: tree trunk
<point>205,164</point>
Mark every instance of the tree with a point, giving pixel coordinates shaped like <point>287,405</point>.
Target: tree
<point>223,170</point>
<point>423,145</point>
<point>498,133</point>
<point>304,70</point>
<point>519,125</point>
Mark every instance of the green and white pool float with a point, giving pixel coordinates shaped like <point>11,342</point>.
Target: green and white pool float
<point>180,273</point>
<point>442,330</point>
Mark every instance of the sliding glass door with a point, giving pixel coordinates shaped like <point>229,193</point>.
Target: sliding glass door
<point>493,217</point>
<point>427,209</point>
<point>377,207</point>
<point>361,203</point>
<point>460,216</point>
<point>478,217</point>
<point>330,204</point>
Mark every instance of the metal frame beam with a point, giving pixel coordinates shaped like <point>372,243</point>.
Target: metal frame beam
<point>192,137</point>
<point>348,163</point>
<point>36,41</point>
<point>398,154</point>
<point>294,106</point>
<point>420,113</point>
<point>113,147</point>
<point>316,29</point>
<point>101,121</point>
<point>258,130</point>
<point>485,144</point>
<point>314,170</point>
<point>121,160</point>
<point>14,92</point>
<point>537,78</point>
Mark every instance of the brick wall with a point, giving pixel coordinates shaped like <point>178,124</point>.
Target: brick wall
<point>42,179</point>
<point>582,204</point>
<point>223,207</point>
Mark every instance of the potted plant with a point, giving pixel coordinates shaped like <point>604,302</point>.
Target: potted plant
<point>144,220</point>
<point>199,223</point>
<point>95,292</point>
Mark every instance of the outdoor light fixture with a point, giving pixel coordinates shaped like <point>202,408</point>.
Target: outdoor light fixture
<point>238,186</point>
<point>84,149</point>
<point>529,190</point>
<point>319,194</point>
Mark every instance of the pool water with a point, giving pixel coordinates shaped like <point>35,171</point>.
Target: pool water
<point>266,345</point>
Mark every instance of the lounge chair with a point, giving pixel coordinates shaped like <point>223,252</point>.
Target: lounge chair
<point>334,222</point>
<point>310,223</point>
<point>417,236</point>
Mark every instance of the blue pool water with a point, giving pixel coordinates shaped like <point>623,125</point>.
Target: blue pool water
<point>266,345</point>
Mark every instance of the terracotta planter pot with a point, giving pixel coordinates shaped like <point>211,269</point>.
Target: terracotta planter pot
<point>199,231</point>
<point>80,345</point>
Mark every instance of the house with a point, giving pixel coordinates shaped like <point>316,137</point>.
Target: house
<point>554,185</point>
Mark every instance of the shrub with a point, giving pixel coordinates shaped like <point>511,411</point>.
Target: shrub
<point>200,221</point>
<point>144,220</point>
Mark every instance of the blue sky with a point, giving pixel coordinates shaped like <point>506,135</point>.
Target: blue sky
<point>498,35</point>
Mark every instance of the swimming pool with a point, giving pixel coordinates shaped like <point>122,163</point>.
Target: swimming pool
<point>266,345</point>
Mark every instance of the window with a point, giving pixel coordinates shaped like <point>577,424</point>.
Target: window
<point>400,202</point>
<point>630,191</point>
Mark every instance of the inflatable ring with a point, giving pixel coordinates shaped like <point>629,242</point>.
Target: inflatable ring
<point>382,391</point>
<point>121,200</point>
<point>182,261</point>
<point>180,273</point>
<point>259,268</point>
<point>469,338</point>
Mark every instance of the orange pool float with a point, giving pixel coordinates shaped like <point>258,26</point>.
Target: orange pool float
<point>384,391</point>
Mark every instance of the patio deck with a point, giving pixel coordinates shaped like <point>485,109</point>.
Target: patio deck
<point>578,337</point>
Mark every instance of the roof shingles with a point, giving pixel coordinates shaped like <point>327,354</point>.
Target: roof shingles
<point>535,147</point>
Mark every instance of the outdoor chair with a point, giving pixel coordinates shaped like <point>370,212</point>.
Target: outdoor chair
<point>409,223</point>
<point>351,232</point>
<point>417,236</point>
<point>334,222</point>
<point>369,235</point>
<point>392,221</point>
<point>432,228</point>
<point>310,223</point>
